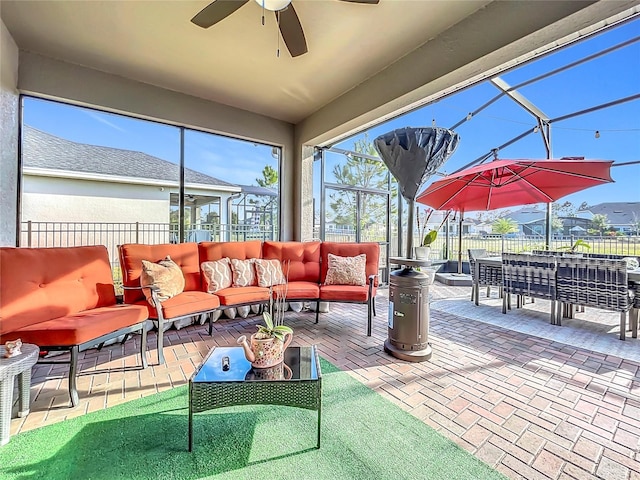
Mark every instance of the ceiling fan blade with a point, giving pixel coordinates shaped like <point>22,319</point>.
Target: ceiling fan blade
<point>291,31</point>
<point>371,2</point>
<point>216,11</point>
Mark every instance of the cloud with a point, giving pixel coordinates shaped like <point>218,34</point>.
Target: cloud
<point>100,118</point>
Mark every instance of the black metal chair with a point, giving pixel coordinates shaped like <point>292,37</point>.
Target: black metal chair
<point>529,276</point>
<point>595,282</point>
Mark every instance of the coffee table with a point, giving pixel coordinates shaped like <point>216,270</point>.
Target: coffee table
<point>297,383</point>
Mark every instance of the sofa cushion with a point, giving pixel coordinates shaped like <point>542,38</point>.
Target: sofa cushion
<point>165,276</point>
<point>80,327</point>
<point>370,249</point>
<point>244,272</point>
<point>300,260</point>
<point>346,270</point>
<point>240,250</point>
<point>185,255</point>
<point>269,272</point>
<point>242,295</point>
<point>185,303</point>
<point>345,293</point>
<point>217,274</point>
<point>298,290</point>
<point>40,284</point>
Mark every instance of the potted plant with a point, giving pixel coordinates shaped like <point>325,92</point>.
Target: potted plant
<point>423,251</point>
<point>267,345</point>
<point>571,249</point>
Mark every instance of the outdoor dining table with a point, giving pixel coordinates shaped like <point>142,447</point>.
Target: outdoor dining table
<point>491,262</point>
<point>496,262</point>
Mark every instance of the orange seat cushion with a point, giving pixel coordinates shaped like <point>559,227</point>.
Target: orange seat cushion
<point>210,251</point>
<point>185,255</point>
<point>242,295</point>
<point>300,260</point>
<point>41,284</point>
<point>345,293</point>
<point>185,303</point>
<point>370,249</point>
<point>299,290</point>
<point>80,327</point>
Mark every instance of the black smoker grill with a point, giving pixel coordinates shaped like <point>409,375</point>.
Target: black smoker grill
<point>412,156</point>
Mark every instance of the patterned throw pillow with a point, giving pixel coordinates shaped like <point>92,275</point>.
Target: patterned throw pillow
<point>346,270</point>
<point>166,275</point>
<point>269,272</point>
<point>244,274</point>
<point>217,274</point>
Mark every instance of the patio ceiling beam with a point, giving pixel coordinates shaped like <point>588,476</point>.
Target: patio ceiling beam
<point>520,99</point>
<point>597,107</point>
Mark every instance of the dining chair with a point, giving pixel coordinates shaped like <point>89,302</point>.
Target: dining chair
<point>488,275</point>
<point>531,276</point>
<point>595,282</point>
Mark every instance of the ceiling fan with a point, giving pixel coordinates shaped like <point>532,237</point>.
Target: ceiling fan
<point>288,21</point>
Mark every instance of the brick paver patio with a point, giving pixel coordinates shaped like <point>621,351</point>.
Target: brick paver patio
<point>530,407</point>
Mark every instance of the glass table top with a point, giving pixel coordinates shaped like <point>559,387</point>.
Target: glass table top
<point>299,364</point>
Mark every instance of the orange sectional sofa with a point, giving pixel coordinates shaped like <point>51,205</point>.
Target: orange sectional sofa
<point>63,299</point>
<point>304,264</point>
<point>192,301</point>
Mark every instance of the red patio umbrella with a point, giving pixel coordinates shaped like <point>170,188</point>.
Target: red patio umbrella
<point>505,183</point>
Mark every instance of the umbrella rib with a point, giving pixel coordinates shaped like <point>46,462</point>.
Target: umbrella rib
<point>572,174</point>
<point>524,179</point>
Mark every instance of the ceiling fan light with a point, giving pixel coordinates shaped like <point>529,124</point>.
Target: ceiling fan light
<point>273,5</point>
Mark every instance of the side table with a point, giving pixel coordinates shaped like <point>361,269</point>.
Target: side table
<point>19,366</point>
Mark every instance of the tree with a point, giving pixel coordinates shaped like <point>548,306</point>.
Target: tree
<point>600,222</point>
<point>556,224</point>
<point>635,223</point>
<point>565,209</point>
<point>263,205</point>
<point>504,226</point>
<point>360,172</point>
<point>269,177</point>
<point>583,206</point>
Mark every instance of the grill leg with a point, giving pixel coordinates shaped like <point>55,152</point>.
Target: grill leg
<point>623,325</point>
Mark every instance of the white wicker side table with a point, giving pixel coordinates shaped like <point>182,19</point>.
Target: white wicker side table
<point>19,366</point>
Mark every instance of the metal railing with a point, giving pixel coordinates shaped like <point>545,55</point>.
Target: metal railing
<point>74,234</point>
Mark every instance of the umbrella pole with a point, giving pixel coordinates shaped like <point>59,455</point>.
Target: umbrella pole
<point>460,244</point>
<point>548,225</point>
<point>410,220</point>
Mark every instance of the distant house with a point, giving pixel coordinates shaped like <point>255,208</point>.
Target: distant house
<point>531,220</point>
<point>622,216</point>
<point>65,181</point>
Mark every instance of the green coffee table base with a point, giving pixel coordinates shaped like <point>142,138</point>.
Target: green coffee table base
<point>219,393</point>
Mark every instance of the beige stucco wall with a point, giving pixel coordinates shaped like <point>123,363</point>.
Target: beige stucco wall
<point>48,199</point>
<point>50,78</point>
<point>8,137</point>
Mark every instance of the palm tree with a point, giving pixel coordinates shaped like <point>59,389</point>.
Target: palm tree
<point>504,226</point>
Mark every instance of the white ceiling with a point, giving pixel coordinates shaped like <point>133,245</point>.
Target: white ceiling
<point>234,62</point>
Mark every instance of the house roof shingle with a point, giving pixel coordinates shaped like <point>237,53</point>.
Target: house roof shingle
<point>43,150</point>
<point>618,213</point>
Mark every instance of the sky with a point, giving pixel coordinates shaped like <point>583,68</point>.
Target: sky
<point>599,81</point>
<point>605,79</point>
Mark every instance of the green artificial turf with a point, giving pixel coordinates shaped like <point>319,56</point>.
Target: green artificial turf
<point>364,436</point>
